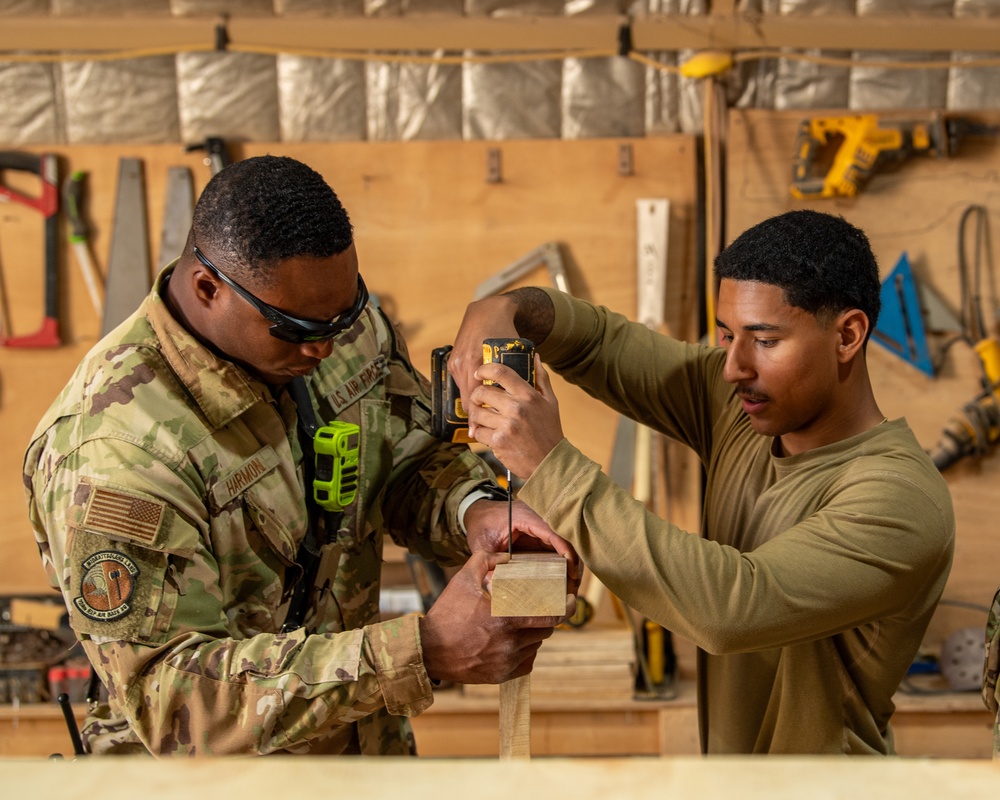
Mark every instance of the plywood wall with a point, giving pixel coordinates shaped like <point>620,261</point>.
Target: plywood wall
<point>429,227</point>
<point>915,209</point>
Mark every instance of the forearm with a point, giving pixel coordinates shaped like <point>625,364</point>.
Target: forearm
<point>804,583</point>
<point>534,313</point>
<point>263,694</point>
<point>423,497</point>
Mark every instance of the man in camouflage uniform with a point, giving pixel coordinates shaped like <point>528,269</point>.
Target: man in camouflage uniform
<point>165,488</point>
<point>991,670</point>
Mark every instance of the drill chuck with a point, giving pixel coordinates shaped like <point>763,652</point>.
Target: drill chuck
<point>976,428</point>
<point>971,432</point>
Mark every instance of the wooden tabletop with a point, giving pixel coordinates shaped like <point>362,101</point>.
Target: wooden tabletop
<point>772,778</point>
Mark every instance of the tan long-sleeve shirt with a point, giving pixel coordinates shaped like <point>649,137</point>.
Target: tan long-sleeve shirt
<point>816,575</point>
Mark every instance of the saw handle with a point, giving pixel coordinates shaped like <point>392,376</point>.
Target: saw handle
<point>47,203</point>
<point>74,206</point>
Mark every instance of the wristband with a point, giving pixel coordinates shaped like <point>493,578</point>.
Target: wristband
<point>487,490</point>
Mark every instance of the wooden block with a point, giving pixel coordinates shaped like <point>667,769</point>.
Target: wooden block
<point>36,614</point>
<point>515,718</point>
<point>530,585</point>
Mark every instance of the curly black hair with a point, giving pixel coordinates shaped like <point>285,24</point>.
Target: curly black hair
<point>822,262</point>
<point>259,211</point>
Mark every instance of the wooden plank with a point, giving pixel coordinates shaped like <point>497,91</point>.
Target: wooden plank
<point>587,663</point>
<point>453,33</point>
<point>529,585</point>
<point>515,718</point>
<point>952,734</point>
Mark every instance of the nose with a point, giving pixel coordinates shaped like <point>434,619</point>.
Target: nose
<point>738,366</point>
<point>317,349</point>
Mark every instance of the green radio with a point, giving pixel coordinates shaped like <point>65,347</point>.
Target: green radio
<point>336,483</point>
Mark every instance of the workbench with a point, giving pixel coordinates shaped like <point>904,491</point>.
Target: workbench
<point>947,726</point>
<point>749,778</point>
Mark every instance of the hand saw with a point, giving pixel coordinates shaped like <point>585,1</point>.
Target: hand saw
<point>46,167</point>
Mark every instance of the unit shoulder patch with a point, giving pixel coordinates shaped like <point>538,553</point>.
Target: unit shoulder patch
<point>108,581</point>
<point>115,586</point>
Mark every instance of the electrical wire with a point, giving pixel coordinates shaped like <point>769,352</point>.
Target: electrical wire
<point>973,319</point>
<point>342,55</point>
<point>975,429</point>
<point>874,63</point>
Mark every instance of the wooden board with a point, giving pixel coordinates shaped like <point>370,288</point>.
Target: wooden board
<point>749,778</point>
<point>935,726</point>
<point>529,585</point>
<point>915,208</point>
<point>515,718</point>
<point>429,228</point>
<point>586,663</point>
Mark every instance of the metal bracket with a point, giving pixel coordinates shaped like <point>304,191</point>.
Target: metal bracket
<point>494,168</point>
<point>547,254</point>
<point>626,163</point>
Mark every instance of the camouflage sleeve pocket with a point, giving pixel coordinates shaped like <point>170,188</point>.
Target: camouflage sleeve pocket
<point>117,562</point>
<point>991,667</point>
<point>115,587</point>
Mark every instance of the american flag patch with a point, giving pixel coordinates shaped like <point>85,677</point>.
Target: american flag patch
<point>118,514</point>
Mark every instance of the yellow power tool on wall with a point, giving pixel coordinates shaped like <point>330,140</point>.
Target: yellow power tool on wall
<point>835,156</point>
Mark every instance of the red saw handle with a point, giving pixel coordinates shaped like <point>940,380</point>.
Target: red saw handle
<point>46,167</point>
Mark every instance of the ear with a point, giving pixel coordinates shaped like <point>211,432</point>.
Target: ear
<point>852,332</point>
<point>204,286</point>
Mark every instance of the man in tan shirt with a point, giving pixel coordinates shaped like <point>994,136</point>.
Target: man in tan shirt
<point>827,533</point>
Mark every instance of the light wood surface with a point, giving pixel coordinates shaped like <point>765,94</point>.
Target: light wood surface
<point>637,779</point>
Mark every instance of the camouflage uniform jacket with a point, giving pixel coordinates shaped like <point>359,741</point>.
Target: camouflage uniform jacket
<point>991,669</point>
<point>165,491</point>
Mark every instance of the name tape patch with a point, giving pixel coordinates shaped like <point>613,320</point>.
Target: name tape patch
<point>245,475</point>
<point>358,384</point>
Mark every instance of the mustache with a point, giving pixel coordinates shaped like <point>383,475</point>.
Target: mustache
<point>750,395</point>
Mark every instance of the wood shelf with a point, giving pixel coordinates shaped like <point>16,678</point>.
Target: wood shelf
<point>951,725</point>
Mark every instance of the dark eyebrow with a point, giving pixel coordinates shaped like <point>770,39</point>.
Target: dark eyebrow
<point>756,327</point>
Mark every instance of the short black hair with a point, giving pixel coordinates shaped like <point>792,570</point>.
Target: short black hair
<point>822,262</point>
<point>259,211</point>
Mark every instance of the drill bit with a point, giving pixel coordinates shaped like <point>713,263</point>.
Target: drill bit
<point>510,515</point>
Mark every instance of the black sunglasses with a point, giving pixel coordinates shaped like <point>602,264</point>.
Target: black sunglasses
<point>285,326</point>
